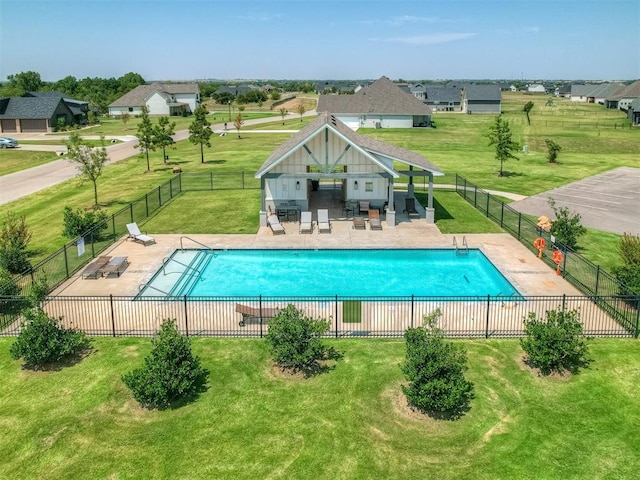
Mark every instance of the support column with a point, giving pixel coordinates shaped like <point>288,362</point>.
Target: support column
<point>263,209</point>
<point>411,186</point>
<point>391,210</point>
<point>430,211</point>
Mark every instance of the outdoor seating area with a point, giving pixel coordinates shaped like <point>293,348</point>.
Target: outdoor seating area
<point>137,236</point>
<point>274,224</point>
<point>324,225</point>
<point>94,269</point>
<point>374,220</point>
<point>253,315</point>
<point>306,224</point>
<point>116,266</point>
<point>105,266</point>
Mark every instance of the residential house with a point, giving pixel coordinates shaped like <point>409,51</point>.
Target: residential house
<point>380,105</point>
<point>594,93</point>
<point>482,99</point>
<point>171,99</point>
<point>39,112</point>
<point>444,99</point>
<point>417,90</point>
<point>536,88</point>
<point>633,112</point>
<point>359,167</point>
<point>624,97</point>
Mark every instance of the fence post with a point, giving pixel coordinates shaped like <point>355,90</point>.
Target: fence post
<point>475,196</point>
<point>635,334</point>
<point>146,203</point>
<point>171,188</point>
<point>564,301</point>
<point>180,182</point>
<point>486,328</point>
<point>597,280</point>
<point>186,317</point>
<point>336,315</point>
<point>210,180</point>
<point>159,197</point>
<point>488,199</point>
<point>501,214</point>
<point>113,226</point>
<point>243,179</point>
<point>519,223</point>
<point>412,310</point>
<point>113,316</point>
<point>66,262</point>
<point>131,211</point>
<point>260,307</point>
<point>93,250</point>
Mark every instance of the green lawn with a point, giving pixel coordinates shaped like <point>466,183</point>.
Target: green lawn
<point>349,423</point>
<point>12,160</point>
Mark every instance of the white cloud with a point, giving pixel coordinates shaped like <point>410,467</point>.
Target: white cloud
<point>401,20</point>
<point>429,39</point>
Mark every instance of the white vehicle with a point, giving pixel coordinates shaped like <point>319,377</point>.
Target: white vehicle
<point>8,142</point>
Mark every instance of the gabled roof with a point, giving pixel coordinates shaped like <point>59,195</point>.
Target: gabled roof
<point>482,92</point>
<point>367,145</point>
<point>630,91</point>
<point>137,97</point>
<point>32,107</point>
<point>439,93</point>
<point>381,97</point>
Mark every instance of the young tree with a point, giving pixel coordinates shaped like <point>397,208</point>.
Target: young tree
<point>275,95</point>
<point>500,136</point>
<point>283,113</point>
<point>294,340</point>
<point>42,340</point>
<point>170,372</point>
<point>125,117</point>
<point>89,161</point>
<point>629,272</point>
<point>162,133</point>
<point>81,221</point>
<point>300,109</point>
<point>200,131</point>
<point>435,371</point>
<point>146,137</point>
<point>553,150</point>
<point>566,228</point>
<point>14,240</point>
<point>527,108</point>
<point>557,343</point>
<point>238,122</point>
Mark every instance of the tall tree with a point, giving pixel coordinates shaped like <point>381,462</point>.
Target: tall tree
<point>500,136</point>
<point>27,81</point>
<point>200,131</point>
<point>89,161</point>
<point>146,137</point>
<point>527,108</point>
<point>163,132</point>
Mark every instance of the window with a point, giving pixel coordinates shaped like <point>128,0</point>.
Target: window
<point>131,109</point>
<point>368,186</point>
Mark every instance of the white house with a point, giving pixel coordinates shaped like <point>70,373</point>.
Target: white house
<point>172,99</point>
<point>360,167</point>
<point>536,88</point>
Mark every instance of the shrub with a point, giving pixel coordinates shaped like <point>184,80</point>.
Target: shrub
<point>553,150</point>
<point>43,341</point>
<point>557,343</point>
<point>14,239</point>
<point>9,289</point>
<point>566,228</point>
<point>81,221</point>
<point>170,372</point>
<point>14,260</point>
<point>629,272</point>
<point>435,371</point>
<point>294,340</point>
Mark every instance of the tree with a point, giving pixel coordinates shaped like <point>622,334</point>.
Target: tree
<point>553,150</point>
<point>527,108</point>
<point>238,122</point>
<point>300,109</point>
<point>26,81</point>
<point>10,303</point>
<point>14,240</point>
<point>275,95</point>
<point>43,341</point>
<point>435,371</point>
<point>557,343</point>
<point>146,138</point>
<point>566,228</point>
<point>89,161</point>
<point>125,117</point>
<point>283,113</point>
<point>294,340</point>
<point>170,372</point>
<point>162,133</point>
<point>200,131</point>
<point>500,136</point>
<point>78,223</point>
<point>628,274</point>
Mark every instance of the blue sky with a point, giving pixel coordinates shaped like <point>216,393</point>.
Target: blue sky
<point>328,39</point>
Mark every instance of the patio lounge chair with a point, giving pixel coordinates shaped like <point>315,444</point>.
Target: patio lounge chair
<point>275,225</point>
<point>250,313</point>
<point>116,265</point>
<point>374,220</point>
<point>94,269</point>
<point>323,221</point>
<point>410,205</point>
<point>364,206</point>
<point>359,224</point>
<point>136,235</point>
<point>306,225</point>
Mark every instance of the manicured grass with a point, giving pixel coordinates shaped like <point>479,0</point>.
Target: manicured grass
<point>14,160</point>
<point>350,422</point>
<point>62,141</point>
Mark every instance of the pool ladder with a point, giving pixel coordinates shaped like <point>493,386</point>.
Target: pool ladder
<point>146,285</point>
<point>194,241</point>
<point>461,250</point>
<point>166,260</point>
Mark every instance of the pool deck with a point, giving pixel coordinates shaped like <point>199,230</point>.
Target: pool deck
<point>529,275</point>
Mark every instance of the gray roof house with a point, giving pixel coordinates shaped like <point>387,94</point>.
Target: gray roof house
<point>481,99</point>
<point>171,99</point>
<point>80,108</point>
<point>34,114</point>
<point>358,168</point>
<point>623,98</point>
<point>633,112</point>
<point>383,104</point>
<point>443,99</point>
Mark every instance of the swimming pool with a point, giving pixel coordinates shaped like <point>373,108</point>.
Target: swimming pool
<point>360,273</point>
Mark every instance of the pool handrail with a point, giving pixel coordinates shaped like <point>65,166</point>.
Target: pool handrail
<point>195,241</point>
<point>171,259</point>
<point>146,285</point>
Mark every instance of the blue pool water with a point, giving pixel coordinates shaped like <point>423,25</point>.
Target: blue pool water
<point>420,272</point>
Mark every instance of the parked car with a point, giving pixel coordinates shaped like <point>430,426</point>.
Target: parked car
<point>8,142</point>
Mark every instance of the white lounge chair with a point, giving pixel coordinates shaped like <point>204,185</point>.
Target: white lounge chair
<point>136,235</point>
<point>275,225</point>
<point>306,224</point>
<point>323,221</point>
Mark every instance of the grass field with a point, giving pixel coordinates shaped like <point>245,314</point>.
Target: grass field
<point>12,160</point>
<point>348,423</point>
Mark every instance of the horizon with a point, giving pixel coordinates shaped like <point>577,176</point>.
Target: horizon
<point>433,40</point>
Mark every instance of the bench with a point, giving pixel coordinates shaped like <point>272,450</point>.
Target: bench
<point>250,313</point>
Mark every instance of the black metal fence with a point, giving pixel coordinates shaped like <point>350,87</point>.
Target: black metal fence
<point>586,276</point>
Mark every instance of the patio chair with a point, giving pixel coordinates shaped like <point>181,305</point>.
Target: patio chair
<point>359,224</point>
<point>374,220</point>
<point>323,221</point>
<point>137,236</point>
<point>116,265</point>
<point>253,314</point>
<point>94,269</point>
<point>364,206</point>
<point>306,224</point>
<point>410,206</point>
<point>275,225</point>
